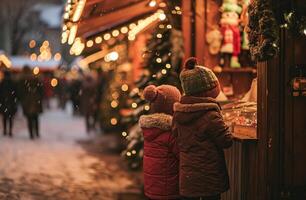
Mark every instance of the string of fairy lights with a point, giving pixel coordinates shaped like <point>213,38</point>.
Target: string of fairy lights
<point>73,12</point>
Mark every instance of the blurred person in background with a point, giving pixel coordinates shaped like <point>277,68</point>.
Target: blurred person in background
<point>75,90</point>
<point>88,101</point>
<point>48,89</point>
<point>8,102</point>
<point>31,96</point>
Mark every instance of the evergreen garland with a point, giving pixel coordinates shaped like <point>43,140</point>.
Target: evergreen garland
<point>266,18</point>
<point>262,30</point>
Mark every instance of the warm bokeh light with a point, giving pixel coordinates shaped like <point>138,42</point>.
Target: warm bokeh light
<point>168,66</point>
<point>114,104</point>
<point>98,39</point>
<point>112,56</point>
<point>152,3</point>
<point>132,25</point>
<point>124,29</point>
<point>46,43</point>
<point>124,87</point>
<point>158,60</point>
<point>115,95</point>
<point>114,121</point>
<point>124,134</point>
<point>131,37</point>
<point>89,43</point>
<point>162,16</point>
<point>147,107</point>
<point>162,5</point>
<point>107,36</point>
<point>54,82</point>
<point>134,105</point>
<point>33,57</point>
<point>32,44</point>
<point>36,70</point>
<point>115,33</point>
<point>164,71</point>
<point>57,57</point>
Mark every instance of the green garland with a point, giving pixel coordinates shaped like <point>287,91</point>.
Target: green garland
<point>291,16</point>
<point>265,22</point>
<point>262,31</point>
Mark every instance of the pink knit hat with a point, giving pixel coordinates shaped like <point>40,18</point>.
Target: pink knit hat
<point>162,98</point>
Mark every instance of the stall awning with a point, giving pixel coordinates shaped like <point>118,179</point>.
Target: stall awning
<point>88,17</point>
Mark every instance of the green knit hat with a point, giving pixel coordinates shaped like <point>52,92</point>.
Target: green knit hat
<point>199,80</point>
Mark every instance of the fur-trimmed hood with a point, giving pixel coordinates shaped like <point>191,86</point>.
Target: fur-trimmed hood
<point>157,120</point>
<point>191,108</point>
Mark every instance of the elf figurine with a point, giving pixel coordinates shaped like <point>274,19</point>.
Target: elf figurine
<point>231,43</point>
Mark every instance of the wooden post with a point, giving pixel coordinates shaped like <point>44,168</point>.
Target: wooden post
<point>200,32</point>
<point>187,27</point>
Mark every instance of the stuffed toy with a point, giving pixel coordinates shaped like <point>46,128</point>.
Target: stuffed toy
<point>231,42</point>
<point>214,39</point>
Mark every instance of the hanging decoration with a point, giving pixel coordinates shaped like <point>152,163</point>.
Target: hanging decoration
<point>230,48</point>
<point>214,40</point>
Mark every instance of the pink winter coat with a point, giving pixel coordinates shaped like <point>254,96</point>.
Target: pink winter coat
<point>160,162</point>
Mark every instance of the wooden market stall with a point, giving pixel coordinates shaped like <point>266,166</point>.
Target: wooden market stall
<point>272,165</point>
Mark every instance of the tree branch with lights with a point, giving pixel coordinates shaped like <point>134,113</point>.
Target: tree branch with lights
<point>161,65</point>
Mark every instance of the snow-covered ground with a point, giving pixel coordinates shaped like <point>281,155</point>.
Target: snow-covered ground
<point>56,166</point>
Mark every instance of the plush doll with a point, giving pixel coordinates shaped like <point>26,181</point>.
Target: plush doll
<point>214,39</point>
<point>231,43</point>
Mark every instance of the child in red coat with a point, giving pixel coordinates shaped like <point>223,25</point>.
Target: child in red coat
<point>160,162</point>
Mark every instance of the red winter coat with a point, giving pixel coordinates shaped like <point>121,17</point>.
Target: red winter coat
<point>160,162</point>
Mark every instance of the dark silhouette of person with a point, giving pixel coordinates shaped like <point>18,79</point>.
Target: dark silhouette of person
<point>31,97</point>
<point>8,102</point>
<point>75,88</point>
<point>88,104</point>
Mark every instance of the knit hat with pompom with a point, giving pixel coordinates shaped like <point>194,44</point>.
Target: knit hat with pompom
<point>162,98</point>
<point>198,80</point>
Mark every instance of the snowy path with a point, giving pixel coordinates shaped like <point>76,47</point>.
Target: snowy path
<point>56,166</point>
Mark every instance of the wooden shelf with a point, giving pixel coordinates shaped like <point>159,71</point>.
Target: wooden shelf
<point>236,70</point>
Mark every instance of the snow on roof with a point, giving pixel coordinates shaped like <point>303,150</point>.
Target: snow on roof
<point>50,14</point>
<point>19,62</point>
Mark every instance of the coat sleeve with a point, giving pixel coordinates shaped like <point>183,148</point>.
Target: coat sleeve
<point>220,131</point>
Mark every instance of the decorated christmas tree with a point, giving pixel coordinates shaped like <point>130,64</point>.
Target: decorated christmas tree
<point>161,65</point>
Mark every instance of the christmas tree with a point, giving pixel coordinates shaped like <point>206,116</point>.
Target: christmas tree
<point>161,65</point>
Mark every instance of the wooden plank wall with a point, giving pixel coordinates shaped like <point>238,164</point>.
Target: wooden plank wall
<point>241,160</point>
